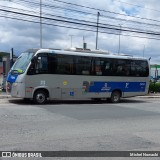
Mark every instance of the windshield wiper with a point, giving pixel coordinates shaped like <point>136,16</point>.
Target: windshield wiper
<point>19,57</point>
<point>17,71</point>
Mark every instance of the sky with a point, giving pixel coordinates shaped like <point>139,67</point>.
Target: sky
<point>125,26</point>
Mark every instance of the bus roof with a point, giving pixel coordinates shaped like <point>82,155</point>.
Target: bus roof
<point>89,53</point>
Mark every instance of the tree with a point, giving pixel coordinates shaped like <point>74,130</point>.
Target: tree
<point>2,54</point>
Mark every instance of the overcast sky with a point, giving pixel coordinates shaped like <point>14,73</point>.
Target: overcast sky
<point>137,16</point>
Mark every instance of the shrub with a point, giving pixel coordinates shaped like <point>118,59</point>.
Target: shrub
<point>154,87</point>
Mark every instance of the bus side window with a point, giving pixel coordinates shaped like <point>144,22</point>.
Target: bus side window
<point>31,70</point>
<point>42,64</point>
<point>122,67</point>
<point>98,66</point>
<point>98,70</point>
<point>52,64</point>
<point>63,64</point>
<point>107,67</point>
<point>139,68</point>
<point>83,65</point>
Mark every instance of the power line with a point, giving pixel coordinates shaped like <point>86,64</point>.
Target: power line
<point>106,11</point>
<point>78,19</point>
<point>83,23</point>
<point>37,22</point>
<point>78,23</point>
<point>86,7</point>
<point>91,25</point>
<point>102,16</point>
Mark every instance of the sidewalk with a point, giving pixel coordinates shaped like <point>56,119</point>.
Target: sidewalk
<point>4,95</point>
<point>151,95</point>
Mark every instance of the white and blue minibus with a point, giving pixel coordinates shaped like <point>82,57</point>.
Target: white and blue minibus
<point>42,74</point>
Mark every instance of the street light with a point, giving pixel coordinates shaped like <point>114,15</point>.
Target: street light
<point>71,39</point>
<point>143,50</point>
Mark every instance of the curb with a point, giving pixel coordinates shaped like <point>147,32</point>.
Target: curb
<point>151,95</point>
<point>148,96</point>
<point>4,96</point>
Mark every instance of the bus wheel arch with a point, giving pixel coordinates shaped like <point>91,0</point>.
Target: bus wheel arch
<point>40,96</point>
<point>115,96</point>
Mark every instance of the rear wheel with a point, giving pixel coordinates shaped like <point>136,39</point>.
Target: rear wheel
<point>40,97</point>
<point>115,97</point>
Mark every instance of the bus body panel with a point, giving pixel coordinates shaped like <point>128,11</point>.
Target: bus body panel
<point>74,87</point>
<point>18,87</point>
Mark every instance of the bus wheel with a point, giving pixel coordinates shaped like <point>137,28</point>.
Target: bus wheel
<point>115,97</point>
<point>40,97</point>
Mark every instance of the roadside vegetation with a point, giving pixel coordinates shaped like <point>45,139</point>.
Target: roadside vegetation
<point>154,87</point>
<point>2,54</point>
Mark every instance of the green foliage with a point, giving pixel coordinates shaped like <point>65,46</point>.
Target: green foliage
<point>154,87</point>
<point>4,54</point>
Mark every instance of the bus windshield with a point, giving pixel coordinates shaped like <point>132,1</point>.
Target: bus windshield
<point>22,63</point>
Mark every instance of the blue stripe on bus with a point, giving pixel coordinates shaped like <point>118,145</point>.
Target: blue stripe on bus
<point>110,86</point>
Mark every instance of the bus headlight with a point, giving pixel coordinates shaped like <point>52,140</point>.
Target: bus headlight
<point>14,84</point>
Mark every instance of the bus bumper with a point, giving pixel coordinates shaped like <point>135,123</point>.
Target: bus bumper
<point>18,90</point>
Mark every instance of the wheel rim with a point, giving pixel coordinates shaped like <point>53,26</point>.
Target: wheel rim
<point>40,98</point>
<point>116,98</point>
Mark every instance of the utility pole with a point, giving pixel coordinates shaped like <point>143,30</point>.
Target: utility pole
<point>119,40</point>
<point>98,14</point>
<point>40,23</point>
<point>11,57</point>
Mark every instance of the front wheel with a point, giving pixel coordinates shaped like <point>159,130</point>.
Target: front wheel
<point>40,97</point>
<point>115,97</point>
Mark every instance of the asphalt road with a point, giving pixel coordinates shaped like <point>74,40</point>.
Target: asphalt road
<point>132,124</point>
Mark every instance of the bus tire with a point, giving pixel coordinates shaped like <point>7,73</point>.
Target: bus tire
<point>40,97</point>
<point>115,97</point>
